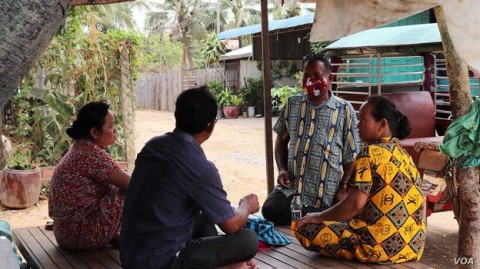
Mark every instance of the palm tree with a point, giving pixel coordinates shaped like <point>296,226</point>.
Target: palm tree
<point>185,17</point>
<point>288,10</point>
<point>246,12</point>
<point>116,16</point>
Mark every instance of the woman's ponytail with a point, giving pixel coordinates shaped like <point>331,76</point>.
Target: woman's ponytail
<point>403,126</point>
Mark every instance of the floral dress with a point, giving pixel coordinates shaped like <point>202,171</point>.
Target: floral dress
<point>391,226</point>
<point>86,210</point>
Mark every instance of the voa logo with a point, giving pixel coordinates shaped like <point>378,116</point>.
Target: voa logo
<point>463,261</point>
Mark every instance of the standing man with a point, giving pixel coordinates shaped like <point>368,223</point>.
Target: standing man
<point>315,148</point>
<point>176,196</point>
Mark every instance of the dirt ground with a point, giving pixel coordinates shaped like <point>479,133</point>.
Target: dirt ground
<point>237,148</point>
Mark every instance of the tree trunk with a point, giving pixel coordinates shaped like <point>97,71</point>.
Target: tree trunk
<point>184,56</point>
<point>187,53</point>
<point>468,178</point>
<point>239,14</point>
<point>28,26</point>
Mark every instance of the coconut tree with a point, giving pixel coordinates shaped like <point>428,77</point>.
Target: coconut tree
<point>286,10</point>
<point>184,17</point>
<point>114,16</point>
<point>246,12</point>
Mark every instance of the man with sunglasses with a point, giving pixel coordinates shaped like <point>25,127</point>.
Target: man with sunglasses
<point>317,141</point>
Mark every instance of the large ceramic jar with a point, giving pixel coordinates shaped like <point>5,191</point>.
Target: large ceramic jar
<point>20,188</point>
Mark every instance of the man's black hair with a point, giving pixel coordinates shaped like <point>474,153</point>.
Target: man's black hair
<point>194,110</point>
<point>318,57</point>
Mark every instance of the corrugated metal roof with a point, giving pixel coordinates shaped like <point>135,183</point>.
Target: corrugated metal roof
<point>272,26</point>
<point>389,37</point>
<point>240,53</point>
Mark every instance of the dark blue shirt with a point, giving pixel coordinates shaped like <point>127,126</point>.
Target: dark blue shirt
<point>171,182</point>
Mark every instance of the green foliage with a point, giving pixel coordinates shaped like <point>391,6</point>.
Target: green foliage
<point>21,158</point>
<point>236,100</point>
<point>317,47</point>
<point>159,51</point>
<point>252,92</point>
<point>212,49</point>
<point>288,10</point>
<point>24,125</point>
<point>78,67</point>
<point>188,23</point>
<point>45,190</point>
<point>225,97</point>
<point>216,88</point>
<point>57,116</point>
<point>280,97</point>
<point>281,68</point>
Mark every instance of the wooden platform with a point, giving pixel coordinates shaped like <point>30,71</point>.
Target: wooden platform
<point>40,250</point>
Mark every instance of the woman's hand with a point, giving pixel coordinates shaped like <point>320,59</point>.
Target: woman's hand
<point>310,218</point>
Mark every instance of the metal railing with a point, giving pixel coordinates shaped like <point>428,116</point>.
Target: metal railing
<point>440,87</point>
<point>359,76</point>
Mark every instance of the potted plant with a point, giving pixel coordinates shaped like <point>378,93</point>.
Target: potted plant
<point>216,89</point>
<point>252,94</point>
<point>21,182</point>
<point>231,103</point>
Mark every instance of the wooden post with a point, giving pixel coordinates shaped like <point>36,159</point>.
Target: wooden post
<point>267,96</point>
<point>468,178</point>
<point>128,106</point>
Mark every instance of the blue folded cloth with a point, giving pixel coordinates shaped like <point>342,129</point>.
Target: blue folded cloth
<point>266,232</point>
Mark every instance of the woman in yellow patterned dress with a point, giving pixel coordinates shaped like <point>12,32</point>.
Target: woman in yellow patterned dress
<point>384,208</point>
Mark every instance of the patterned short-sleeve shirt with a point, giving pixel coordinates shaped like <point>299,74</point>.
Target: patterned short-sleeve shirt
<point>392,224</point>
<point>86,209</point>
<point>322,139</point>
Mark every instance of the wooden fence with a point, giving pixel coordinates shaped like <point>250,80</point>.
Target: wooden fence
<point>158,91</point>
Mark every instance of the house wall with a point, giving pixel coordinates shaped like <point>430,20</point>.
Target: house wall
<point>283,70</point>
<point>248,69</point>
<point>292,45</point>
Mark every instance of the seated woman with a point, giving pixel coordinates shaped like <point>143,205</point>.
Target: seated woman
<point>88,187</point>
<point>384,207</point>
